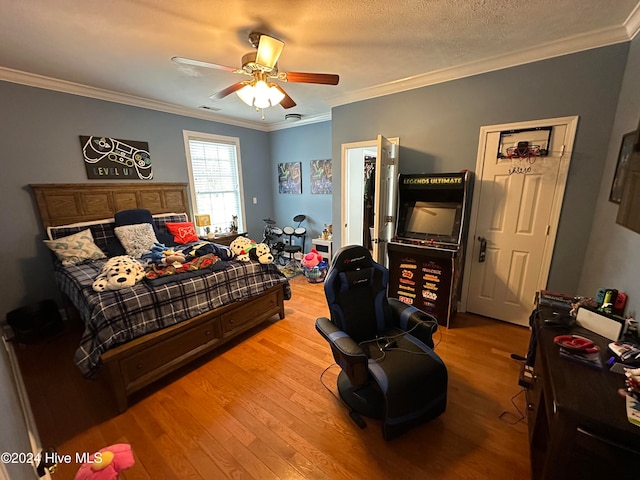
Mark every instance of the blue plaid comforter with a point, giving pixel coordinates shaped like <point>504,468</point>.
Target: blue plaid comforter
<point>114,317</point>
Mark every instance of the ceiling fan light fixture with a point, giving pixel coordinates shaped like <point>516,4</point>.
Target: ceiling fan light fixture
<point>247,94</point>
<point>262,97</point>
<point>275,95</point>
<point>260,94</point>
<point>269,50</point>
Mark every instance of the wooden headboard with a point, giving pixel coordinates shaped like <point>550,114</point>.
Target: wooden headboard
<point>64,203</point>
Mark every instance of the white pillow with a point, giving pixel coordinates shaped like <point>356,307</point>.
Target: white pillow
<point>75,248</point>
<point>136,239</point>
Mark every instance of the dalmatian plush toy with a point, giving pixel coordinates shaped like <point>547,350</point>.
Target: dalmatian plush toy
<point>262,253</point>
<point>245,249</point>
<point>240,247</point>
<point>119,272</point>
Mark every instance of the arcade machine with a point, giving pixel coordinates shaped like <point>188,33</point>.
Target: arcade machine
<point>426,256</point>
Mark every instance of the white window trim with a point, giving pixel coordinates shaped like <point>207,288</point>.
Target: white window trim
<point>210,137</point>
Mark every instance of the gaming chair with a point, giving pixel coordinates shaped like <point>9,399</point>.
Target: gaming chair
<point>384,347</point>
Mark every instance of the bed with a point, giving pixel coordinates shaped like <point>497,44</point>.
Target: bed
<point>140,334</point>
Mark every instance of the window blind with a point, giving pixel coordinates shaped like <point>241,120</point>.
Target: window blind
<point>216,182</point>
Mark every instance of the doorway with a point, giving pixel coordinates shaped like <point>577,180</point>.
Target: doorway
<point>515,211</point>
<point>369,186</point>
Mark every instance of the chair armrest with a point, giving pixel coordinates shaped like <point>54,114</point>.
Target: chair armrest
<point>421,324</point>
<point>346,352</point>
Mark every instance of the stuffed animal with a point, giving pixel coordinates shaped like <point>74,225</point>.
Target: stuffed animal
<point>262,253</point>
<point>311,259</point>
<point>240,247</point>
<point>246,249</point>
<point>171,257</point>
<point>107,463</point>
<point>161,255</point>
<point>119,272</point>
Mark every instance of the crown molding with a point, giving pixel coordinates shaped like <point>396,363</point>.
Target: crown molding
<point>577,43</point>
<point>323,117</point>
<point>39,81</point>
<point>632,23</point>
<point>600,38</point>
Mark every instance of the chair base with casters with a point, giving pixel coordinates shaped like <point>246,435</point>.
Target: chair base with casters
<point>384,347</point>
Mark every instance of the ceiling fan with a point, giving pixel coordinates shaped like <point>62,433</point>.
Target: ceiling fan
<point>262,66</point>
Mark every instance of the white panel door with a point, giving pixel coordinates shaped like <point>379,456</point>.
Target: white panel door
<point>516,212</point>
<point>385,199</point>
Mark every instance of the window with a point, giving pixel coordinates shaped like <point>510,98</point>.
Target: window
<point>215,178</point>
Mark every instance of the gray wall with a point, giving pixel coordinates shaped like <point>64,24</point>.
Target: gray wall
<point>613,252</point>
<point>439,128</point>
<point>39,136</point>
<point>302,144</point>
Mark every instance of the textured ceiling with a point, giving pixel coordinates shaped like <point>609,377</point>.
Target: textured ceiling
<point>121,49</point>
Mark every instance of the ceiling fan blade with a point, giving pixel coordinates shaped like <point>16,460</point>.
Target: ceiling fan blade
<point>301,77</point>
<point>229,90</point>
<point>199,63</point>
<point>269,50</point>
<point>287,101</point>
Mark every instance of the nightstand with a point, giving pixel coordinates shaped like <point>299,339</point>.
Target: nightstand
<point>324,248</point>
<point>224,239</point>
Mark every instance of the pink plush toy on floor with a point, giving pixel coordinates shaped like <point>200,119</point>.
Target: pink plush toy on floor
<point>311,259</point>
<point>107,463</point>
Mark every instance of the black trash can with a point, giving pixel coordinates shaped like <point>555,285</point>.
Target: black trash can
<point>35,321</point>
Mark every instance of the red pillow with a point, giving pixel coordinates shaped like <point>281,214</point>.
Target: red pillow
<point>183,232</point>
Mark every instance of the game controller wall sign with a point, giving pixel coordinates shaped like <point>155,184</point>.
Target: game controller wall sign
<point>110,158</point>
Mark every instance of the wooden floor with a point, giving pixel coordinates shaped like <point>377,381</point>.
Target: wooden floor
<point>258,410</point>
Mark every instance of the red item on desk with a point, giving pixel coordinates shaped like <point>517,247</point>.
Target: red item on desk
<point>576,343</point>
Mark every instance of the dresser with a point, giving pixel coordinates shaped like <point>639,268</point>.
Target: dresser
<point>577,422</point>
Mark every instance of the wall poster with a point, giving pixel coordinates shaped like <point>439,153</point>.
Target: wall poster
<point>321,176</point>
<point>111,158</point>
<point>289,177</point>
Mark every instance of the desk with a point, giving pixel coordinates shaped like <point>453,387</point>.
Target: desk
<point>578,426</point>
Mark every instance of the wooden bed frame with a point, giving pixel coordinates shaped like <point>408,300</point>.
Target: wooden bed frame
<point>142,361</point>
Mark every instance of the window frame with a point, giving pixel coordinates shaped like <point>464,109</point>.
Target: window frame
<point>189,135</point>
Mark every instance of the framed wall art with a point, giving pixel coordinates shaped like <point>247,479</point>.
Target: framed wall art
<point>321,177</point>
<point>110,158</point>
<point>626,148</point>
<point>290,177</point>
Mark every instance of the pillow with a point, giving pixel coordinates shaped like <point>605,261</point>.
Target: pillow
<point>75,248</point>
<point>135,216</point>
<point>183,232</point>
<point>160,221</point>
<point>136,239</point>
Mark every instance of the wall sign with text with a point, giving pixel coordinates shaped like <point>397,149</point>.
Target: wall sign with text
<point>111,158</point>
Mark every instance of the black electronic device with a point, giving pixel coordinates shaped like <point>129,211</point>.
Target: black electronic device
<point>557,318</point>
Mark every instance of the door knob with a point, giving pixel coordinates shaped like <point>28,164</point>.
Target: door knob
<point>482,256</point>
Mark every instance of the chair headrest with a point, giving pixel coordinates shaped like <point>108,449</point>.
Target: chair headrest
<point>351,257</point>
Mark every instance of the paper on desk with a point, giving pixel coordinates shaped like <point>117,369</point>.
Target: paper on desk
<point>599,324</point>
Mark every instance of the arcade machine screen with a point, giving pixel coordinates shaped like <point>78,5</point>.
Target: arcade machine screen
<point>432,220</point>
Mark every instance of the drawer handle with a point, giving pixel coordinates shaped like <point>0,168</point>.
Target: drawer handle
<point>231,322</point>
<point>207,332</point>
<point>139,366</point>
